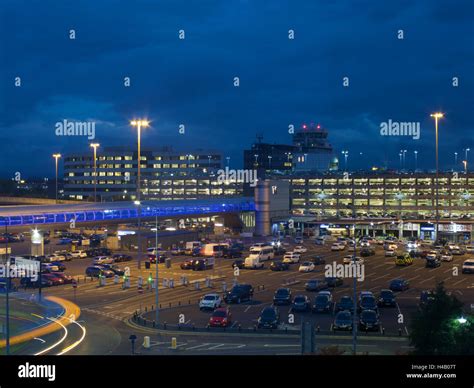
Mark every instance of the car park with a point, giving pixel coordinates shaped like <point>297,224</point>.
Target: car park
<point>399,285</point>
<point>307,266</point>
<point>278,265</point>
<point>301,303</point>
<point>387,298</point>
<point>282,296</point>
<point>221,317</point>
<point>369,320</point>
<point>322,302</point>
<point>210,301</point>
<point>343,321</point>
<point>468,266</point>
<point>316,285</point>
<point>239,293</point>
<point>269,318</point>
<point>345,303</point>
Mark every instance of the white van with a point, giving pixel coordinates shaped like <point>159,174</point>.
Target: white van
<point>253,262</point>
<point>215,250</point>
<point>191,246</point>
<point>264,253</point>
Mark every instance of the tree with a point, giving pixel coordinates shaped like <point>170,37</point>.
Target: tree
<point>435,329</point>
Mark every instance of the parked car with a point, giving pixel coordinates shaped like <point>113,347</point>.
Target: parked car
<point>210,301</point>
<point>399,285</point>
<point>300,249</point>
<point>301,303</point>
<point>269,318</point>
<point>426,297</point>
<point>387,298</point>
<point>187,264</point>
<point>345,303</point>
<point>114,268</point>
<point>368,303</point>
<point>367,252</point>
<point>118,258</point>
<point>239,263</point>
<point>239,293</point>
<point>446,256</point>
<point>343,321</point>
<point>316,285</point>
<point>221,317</point>
<point>403,260</point>
<point>350,259</point>
<point>337,247</point>
<point>103,260</point>
<point>279,266</point>
<point>291,258</point>
<point>307,266</point>
<point>317,260</point>
<point>282,296</point>
<point>468,266</point>
<point>55,257</point>
<point>55,280</point>
<point>79,254</point>
<point>369,320</point>
<point>96,271</point>
<point>390,253</point>
<point>334,281</point>
<point>432,262</point>
<point>67,279</point>
<point>60,267</point>
<point>322,302</point>
<point>470,249</point>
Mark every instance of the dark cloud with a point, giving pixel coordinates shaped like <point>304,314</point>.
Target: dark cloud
<point>190,82</point>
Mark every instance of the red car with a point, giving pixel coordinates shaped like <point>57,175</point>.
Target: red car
<point>66,278</point>
<point>55,280</point>
<point>221,317</point>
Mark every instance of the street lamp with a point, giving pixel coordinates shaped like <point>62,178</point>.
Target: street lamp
<point>466,151</point>
<point>56,157</point>
<point>95,146</point>
<point>228,160</point>
<point>416,160</point>
<point>461,320</point>
<point>269,162</point>
<point>346,154</point>
<point>437,116</point>
<point>139,124</point>
<point>455,159</point>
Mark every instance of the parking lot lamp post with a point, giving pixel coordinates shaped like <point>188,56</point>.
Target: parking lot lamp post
<point>139,124</point>
<point>437,116</point>
<point>416,160</point>
<point>56,158</point>
<point>156,270</point>
<point>354,283</point>
<point>94,146</point>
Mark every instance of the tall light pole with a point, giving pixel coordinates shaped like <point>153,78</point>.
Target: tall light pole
<point>467,150</point>
<point>416,160</point>
<point>56,158</point>
<point>139,124</point>
<point>346,154</point>
<point>437,116</point>
<point>269,162</point>
<point>455,159</point>
<point>404,158</point>
<point>95,146</point>
<point>228,160</point>
<point>400,154</point>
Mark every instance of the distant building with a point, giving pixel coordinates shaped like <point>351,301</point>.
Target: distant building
<point>166,174</point>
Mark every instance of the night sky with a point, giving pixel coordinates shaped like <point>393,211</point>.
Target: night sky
<point>191,81</point>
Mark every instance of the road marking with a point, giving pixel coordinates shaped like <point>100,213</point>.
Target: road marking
<point>380,277</point>
<point>248,308</point>
<point>281,345</point>
<point>426,280</point>
<point>409,280</point>
<point>460,281</point>
<point>198,346</point>
<point>216,346</point>
<point>418,269</point>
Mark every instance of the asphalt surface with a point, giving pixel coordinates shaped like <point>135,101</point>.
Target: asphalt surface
<point>106,310</point>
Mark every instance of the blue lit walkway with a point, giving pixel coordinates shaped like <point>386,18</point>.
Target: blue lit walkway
<point>90,212</point>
